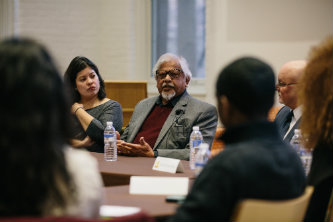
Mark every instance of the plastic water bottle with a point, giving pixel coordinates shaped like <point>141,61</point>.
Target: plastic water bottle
<point>306,157</point>
<point>201,157</point>
<point>304,154</point>
<point>110,142</point>
<point>195,141</point>
<point>296,140</point>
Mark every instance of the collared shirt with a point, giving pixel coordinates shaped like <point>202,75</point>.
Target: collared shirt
<point>294,119</point>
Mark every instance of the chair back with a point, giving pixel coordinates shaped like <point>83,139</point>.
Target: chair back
<point>271,210</point>
<point>127,93</point>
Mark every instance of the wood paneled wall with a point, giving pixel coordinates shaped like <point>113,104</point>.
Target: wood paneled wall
<point>127,93</point>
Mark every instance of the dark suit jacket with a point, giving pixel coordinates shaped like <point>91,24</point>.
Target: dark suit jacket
<point>173,140</point>
<point>281,118</point>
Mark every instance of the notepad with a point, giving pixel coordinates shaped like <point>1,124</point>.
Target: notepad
<point>159,185</point>
<point>117,211</point>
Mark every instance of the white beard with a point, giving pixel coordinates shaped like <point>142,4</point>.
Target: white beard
<point>168,96</point>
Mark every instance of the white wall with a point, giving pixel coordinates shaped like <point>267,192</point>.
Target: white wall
<point>276,31</point>
<point>115,34</point>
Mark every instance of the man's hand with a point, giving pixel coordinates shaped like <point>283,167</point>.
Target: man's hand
<point>131,149</point>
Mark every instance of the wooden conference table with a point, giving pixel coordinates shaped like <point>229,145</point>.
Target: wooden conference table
<point>116,176</point>
<point>154,205</point>
<point>119,172</point>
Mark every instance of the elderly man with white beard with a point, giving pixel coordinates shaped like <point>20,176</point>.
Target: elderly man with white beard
<point>161,125</point>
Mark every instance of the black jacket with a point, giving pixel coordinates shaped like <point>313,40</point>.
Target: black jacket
<point>256,163</point>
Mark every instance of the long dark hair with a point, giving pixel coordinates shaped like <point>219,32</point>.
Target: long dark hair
<point>34,118</point>
<point>78,64</point>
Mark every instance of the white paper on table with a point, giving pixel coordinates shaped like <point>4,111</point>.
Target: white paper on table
<point>159,185</point>
<point>117,211</point>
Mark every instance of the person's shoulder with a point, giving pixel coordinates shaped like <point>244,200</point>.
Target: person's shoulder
<point>228,160</point>
<point>78,157</point>
<point>283,109</point>
<point>196,101</point>
<point>110,102</point>
<point>241,152</point>
<point>200,105</point>
<point>148,100</point>
<point>282,112</point>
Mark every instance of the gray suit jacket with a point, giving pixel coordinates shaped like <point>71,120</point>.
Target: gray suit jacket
<point>173,140</point>
<point>281,118</point>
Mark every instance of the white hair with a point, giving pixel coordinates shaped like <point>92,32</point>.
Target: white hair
<point>168,57</point>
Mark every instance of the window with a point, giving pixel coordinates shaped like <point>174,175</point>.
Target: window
<point>178,26</point>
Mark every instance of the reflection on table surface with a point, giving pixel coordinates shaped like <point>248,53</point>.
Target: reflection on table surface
<point>154,205</point>
<point>119,172</point>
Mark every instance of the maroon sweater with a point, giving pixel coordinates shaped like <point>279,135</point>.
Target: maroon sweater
<point>153,124</point>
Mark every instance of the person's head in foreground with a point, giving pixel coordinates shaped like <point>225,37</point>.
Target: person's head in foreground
<point>33,121</point>
<point>245,91</point>
<point>316,95</point>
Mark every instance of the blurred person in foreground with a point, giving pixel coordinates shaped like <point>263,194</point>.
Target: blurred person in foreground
<point>289,116</point>
<point>91,109</point>
<point>255,163</point>
<point>316,95</point>
<point>161,125</point>
<point>41,176</point>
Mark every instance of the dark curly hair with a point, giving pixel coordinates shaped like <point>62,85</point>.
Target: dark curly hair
<point>316,95</point>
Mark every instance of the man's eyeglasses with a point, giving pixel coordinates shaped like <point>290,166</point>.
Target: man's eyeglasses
<point>282,84</point>
<point>173,73</point>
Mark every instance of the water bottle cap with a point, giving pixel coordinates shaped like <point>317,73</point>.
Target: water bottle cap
<point>195,128</point>
<point>109,123</point>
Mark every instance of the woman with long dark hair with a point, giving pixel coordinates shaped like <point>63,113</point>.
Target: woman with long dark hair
<point>91,109</point>
<point>41,175</point>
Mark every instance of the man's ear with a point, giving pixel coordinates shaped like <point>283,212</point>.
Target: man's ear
<point>187,80</point>
<point>224,110</point>
<point>225,103</point>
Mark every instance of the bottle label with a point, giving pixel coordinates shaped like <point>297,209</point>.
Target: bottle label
<point>306,157</point>
<point>196,143</point>
<point>108,138</point>
<point>195,146</point>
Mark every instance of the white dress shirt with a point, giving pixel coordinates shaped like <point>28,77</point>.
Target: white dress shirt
<point>294,119</point>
